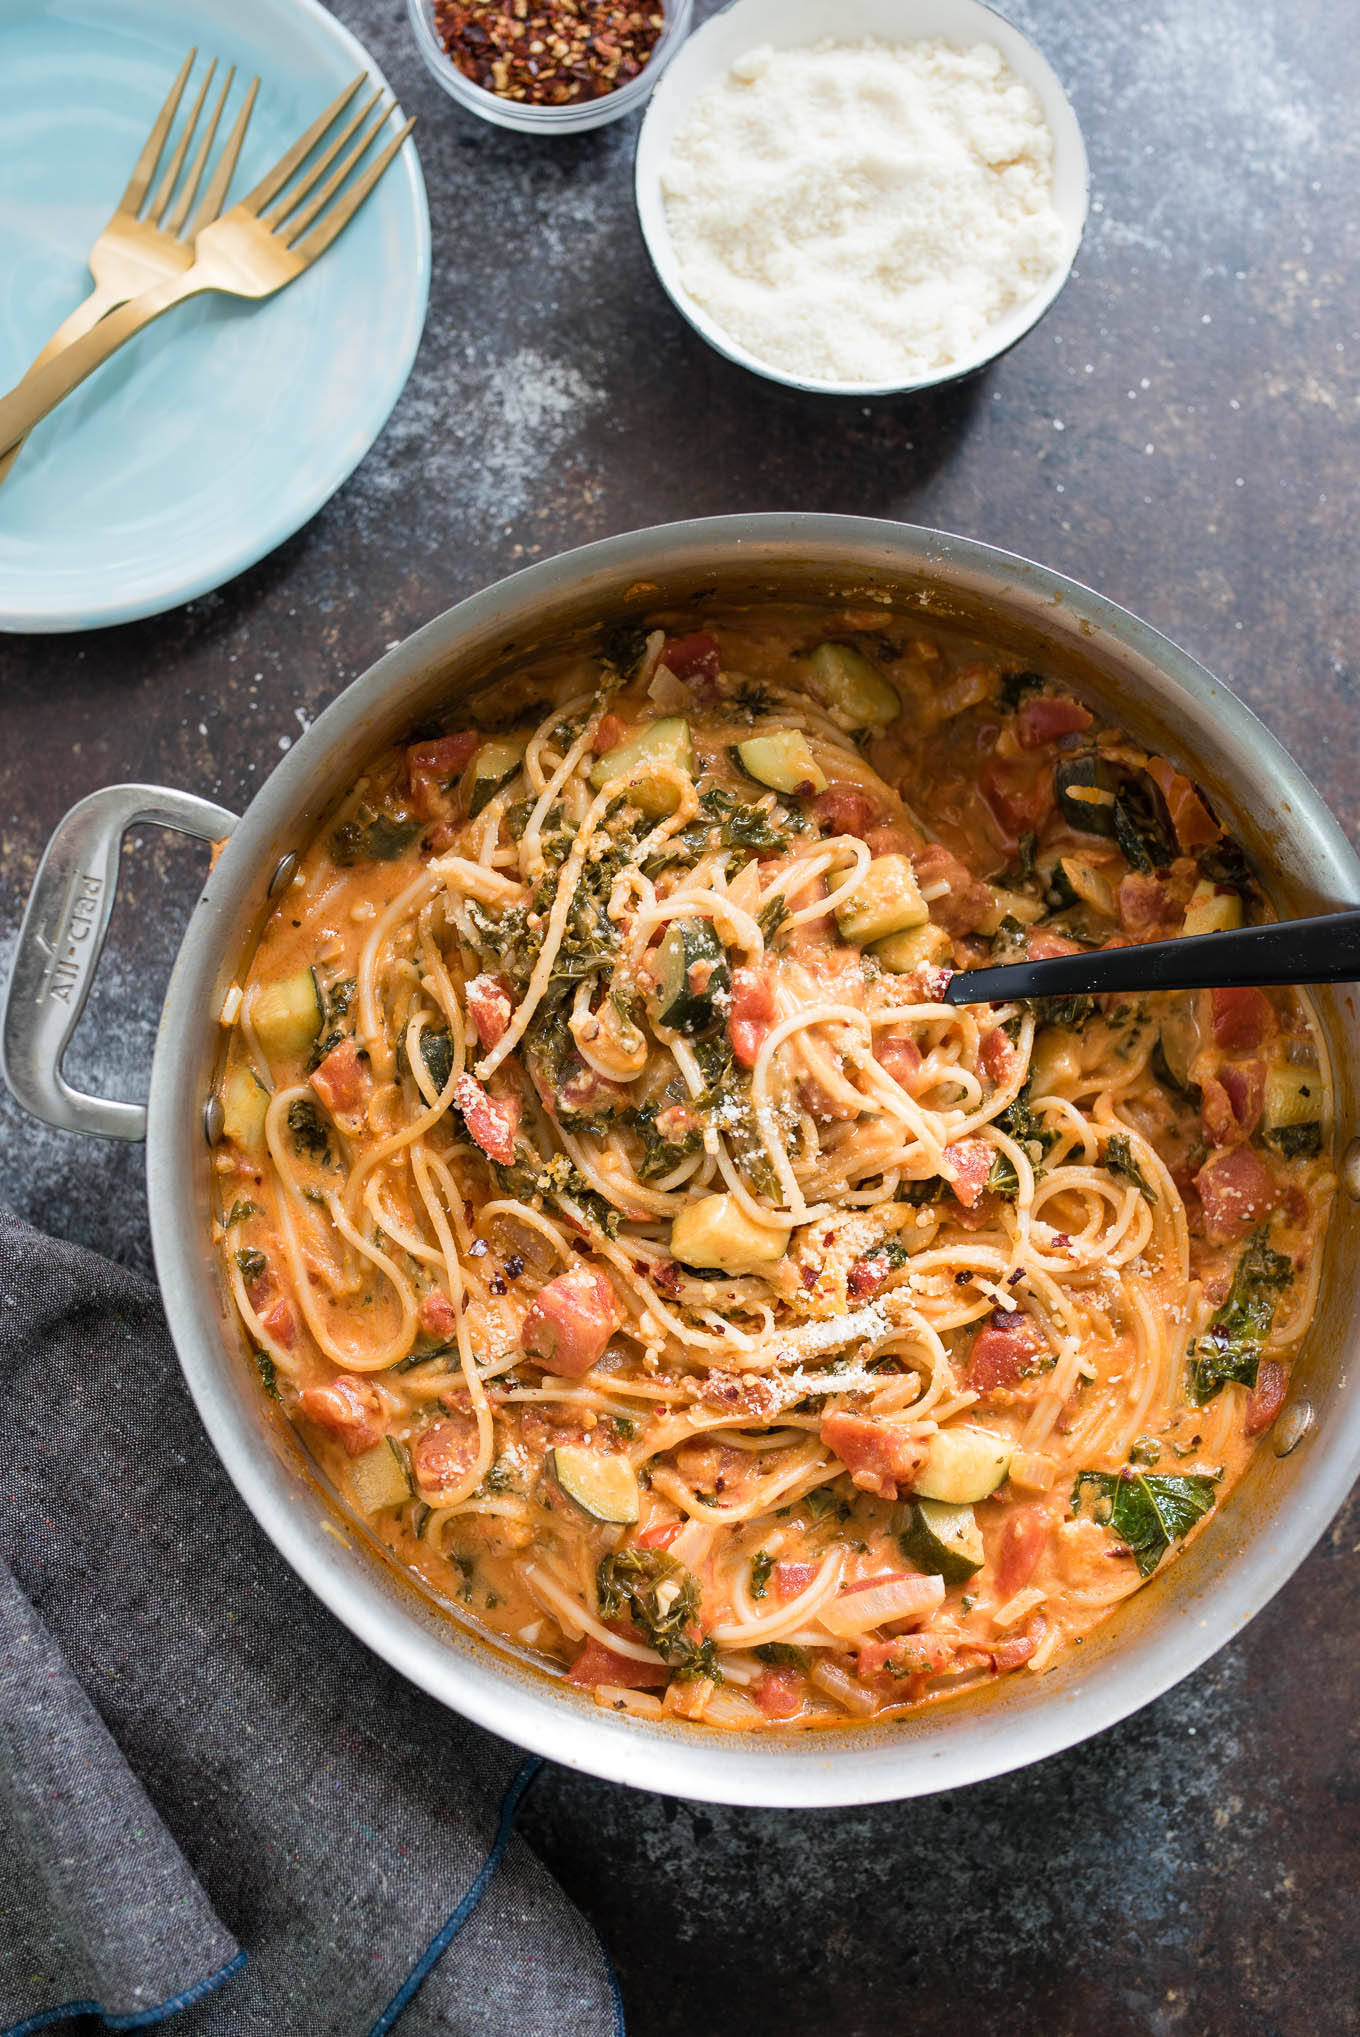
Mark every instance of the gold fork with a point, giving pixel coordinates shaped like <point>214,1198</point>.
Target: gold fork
<point>248,252</point>
<point>135,252</point>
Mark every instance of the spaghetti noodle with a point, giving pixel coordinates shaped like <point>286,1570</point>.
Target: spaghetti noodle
<point>666,1272</point>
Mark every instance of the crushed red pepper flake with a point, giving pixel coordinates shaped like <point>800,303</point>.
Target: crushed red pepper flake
<point>549,52</point>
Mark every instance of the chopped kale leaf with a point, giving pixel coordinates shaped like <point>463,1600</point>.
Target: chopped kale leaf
<point>310,1135</point>
<point>1018,686</point>
<point>1230,1348</point>
<point>1118,1158</point>
<point>372,838</point>
<point>762,1563</point>
<point>622,646</point>
<point>1145,1511</point>
<point>436,1051</point>
<point>253,1265</point>
<point>783,1655</point>
<point>661,1597</point>
<point>240,1211</point>
<point>268,1371</point>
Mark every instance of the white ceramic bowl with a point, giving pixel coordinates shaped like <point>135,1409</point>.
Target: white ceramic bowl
<point>547,119</point>
<point>790,24</point>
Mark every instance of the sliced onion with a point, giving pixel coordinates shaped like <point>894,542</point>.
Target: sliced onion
<point>881,1601</point>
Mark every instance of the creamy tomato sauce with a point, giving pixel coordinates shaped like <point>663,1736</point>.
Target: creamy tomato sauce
<point>658,1265</point>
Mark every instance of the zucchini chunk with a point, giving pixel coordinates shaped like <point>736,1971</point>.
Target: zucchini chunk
<point>1211,911</point>
<point>845,681</point>
<point>379,1477</point>
<point>943,1540</point>
<point>715,1232</point>
<point>603,1486</point>
<point>664,742</point>
<point>964,1465</point>
<point>923,947</point>
<point>692,972</point>
<point>493,766</point>
<point>784,762</point>
<point>287,1015</point>
<point>887,902</point>
<point>244,1103</point>
<point>1292,1115</point>
<point>1178,1043</point>
<point>1009,905</point>
<point>1086,788</point>
<point>1090,885</point>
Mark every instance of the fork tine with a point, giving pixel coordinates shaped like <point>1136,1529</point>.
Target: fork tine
<point>158,204</point>
<point>324,232</point>
<point>145,168</point>
<point>271,184</point>
<point>215,195</point>
<point>292,199</point>
<point>186,197</point>
<point>286,205</point>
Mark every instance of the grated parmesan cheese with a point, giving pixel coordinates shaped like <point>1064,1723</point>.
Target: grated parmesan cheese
<point>863,212</point>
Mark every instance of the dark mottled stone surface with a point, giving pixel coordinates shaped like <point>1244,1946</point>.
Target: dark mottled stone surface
<point>1180,432</point>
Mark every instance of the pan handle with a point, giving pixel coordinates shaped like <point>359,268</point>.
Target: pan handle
<point>60,943</point>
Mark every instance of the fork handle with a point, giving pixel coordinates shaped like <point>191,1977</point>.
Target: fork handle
<point>43,388</point>
<point>76,323</point>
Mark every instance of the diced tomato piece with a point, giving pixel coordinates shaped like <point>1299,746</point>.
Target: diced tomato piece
<point>430,767</point>
<point>1237,1190</point>
<point>880,1455</point>
<point>845,810</point>
<point>1267,1397</point>
<point>865,1276</point>
<point>750,1014</point>
<point>1145,904</point>
<point>443,1454</point>
<point>899,1057</point>
<point>1043,947</point>
<point>1231,1102</point>
<point>598,1664</point>
<point>436,1315</point>
<point>693,657</point>
<point>1195,826</point>
<point>571,1320</point>
<point>341,1080</point>
<point>659,1537</point>
<point>1019,793</point>
<point>971,1161</point>
<point>983,1214</point>
<point>350,1408</point>
<point>997,1055</point>
<point>967,901</point>
<point>779,1692</point>
<point>491,1120</point>
<point>490,1007</point>
<point>1004,1350</point>
<point>281,1325</point>
<point>1242,1019</point>
<point>886,1663</point>
<point>609,733</point>
<point>1010,1654</point>
<point>1043,718</point>
<point>791,1578</point>
<point>1023,1536</point>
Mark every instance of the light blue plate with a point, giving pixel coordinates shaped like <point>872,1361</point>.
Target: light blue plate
<point>220,429</point>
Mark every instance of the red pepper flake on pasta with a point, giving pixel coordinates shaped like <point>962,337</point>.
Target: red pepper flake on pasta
<point>553,53</point>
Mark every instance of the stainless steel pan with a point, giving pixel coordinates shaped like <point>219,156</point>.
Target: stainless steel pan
<point>1247,1552</point>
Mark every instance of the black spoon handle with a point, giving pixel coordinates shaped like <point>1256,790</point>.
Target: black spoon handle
<point>1324,950</point>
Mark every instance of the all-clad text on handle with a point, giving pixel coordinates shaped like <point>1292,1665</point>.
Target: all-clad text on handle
<point>60,942</point>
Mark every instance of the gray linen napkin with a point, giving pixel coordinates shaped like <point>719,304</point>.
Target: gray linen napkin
<point>215,1805</point>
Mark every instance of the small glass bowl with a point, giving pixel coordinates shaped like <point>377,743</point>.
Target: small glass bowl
<point>548,119</point>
